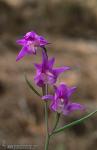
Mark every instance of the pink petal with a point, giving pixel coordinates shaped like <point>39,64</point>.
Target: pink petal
<point>21,41</point>
<point>51,62</point>
<point>22,53</point>
<point>46,97</point>
<point>59,70</point>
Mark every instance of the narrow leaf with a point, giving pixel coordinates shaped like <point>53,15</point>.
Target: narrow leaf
<point>74,123</point>
<point>31,87</point>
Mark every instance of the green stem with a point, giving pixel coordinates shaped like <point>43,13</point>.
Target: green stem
<point>74,123</point>
<point>46,117</point>
<point>45,92</point>
<point>47,142</point>
<point>47,129</point>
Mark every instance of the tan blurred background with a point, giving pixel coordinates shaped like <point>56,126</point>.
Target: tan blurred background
<point>71,27</point>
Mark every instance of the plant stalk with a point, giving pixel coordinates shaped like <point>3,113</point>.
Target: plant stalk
<point>45,92</point>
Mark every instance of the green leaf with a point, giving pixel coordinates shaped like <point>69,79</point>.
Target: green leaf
<point>31,87</point>
<point>74,123</point>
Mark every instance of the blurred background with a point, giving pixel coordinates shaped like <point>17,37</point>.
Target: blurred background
<point>71,27</point>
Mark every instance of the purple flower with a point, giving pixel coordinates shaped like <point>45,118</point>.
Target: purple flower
<point>29,43</point>
<point>46,74</point>
<point>60,101</point>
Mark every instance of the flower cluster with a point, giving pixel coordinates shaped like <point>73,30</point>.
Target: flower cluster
<point>46,74</point>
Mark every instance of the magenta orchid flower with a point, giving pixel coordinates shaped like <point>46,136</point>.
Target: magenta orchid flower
<point>29,43</point>
<point>60,101</point>
<point>46,74</point>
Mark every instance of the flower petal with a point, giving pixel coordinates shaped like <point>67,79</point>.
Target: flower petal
<point>39,80</point>
<point>31,49</point>
<point>51,62</point>
<point>31,36</point>
<point>72,90</point>
<point>44,61</point>
<point>51,79</point>
<point>42,41</point>
<point>46,97</point>
<point>72,107</point>
<point>53,106</point>
<point>21,42</point>
<point>59,70</point>
<point>62,91</point>
<point>22,53</point>
<point>34,49</point>
<point>38,66</point>
<point>44,57</point>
